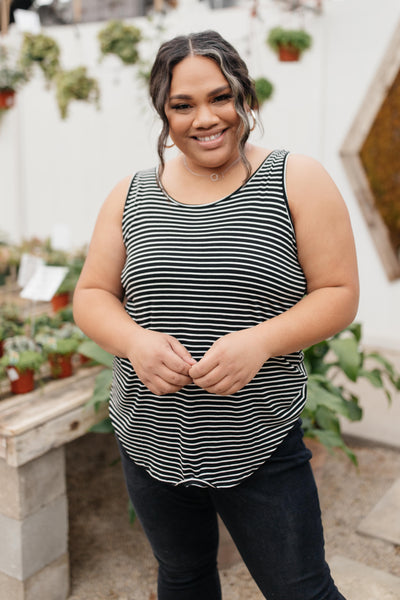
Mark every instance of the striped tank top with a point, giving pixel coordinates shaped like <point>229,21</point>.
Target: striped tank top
<point>198,272</point>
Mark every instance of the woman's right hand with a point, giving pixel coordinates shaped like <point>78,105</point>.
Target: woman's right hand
<point>161,362</point>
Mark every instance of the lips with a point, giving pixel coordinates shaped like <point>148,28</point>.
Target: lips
<point>210,139</point>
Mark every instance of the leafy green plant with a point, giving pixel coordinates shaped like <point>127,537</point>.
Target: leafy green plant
<point>23,353</point>
<point>293,38</point>
<point>75,85</point>
<point>11,323</point>
<point>42,50</point>
<point>11,76</point>
<point>120,39</point>
<point>264,89</point>
<point>63,340</point>
<point>332,366</point>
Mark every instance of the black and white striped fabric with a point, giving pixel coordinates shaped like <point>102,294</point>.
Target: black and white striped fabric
<point>198,272</point>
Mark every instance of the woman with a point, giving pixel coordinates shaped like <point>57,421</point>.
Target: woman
<point>206,277</point>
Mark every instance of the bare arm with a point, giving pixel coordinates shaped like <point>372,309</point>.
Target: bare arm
<point>160,361</point>
<point>327,254</point>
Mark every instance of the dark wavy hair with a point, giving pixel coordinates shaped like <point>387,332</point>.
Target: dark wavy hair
<point>211,45</point>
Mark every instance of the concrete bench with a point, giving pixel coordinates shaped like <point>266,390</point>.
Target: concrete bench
<point>34,429</point>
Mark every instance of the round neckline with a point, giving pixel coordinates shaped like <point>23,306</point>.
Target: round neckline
<point>184,204</point>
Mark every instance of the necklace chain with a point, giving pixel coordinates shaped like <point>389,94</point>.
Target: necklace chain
<point>213,176</point>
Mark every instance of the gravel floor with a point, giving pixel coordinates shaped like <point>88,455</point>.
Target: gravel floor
<point>111,560</point>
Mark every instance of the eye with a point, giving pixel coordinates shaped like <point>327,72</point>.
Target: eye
<point>181,107</point>
<point>223,98</point>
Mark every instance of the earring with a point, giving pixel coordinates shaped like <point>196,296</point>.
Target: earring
<point>252,128</point>
<point>170,145</point>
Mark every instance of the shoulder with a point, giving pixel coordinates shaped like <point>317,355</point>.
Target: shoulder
<point>305,171</point>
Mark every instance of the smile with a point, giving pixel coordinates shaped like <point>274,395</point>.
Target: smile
<point>209,138</point>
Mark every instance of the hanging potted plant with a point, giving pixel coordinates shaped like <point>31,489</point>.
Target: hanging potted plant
<point>41,50</point>
<point>11,77</point>
<point>75,85</point>
<point>264,89</point>
<point>22,358</point>
<point>120,39</point>
<point>289,44</point>
<point>59,346</point>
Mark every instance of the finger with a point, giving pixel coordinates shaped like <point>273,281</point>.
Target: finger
<point>211,379</point>
<point>160,387</point>
<point>173,378</point>
<point>182,352</point>
<point>205,365</point>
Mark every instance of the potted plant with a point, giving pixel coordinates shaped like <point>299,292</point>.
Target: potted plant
<point>332,366</point>
<point>75,85</point>
<point>11,324</point>
<point>289,44</point>
<point>42,50</point>
<point>264,89</point>
<point>21,359</point>
<point>11,77</point>
<point>120,39</point>
<point>59,345</point>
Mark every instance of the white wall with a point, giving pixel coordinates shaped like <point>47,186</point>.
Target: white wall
<point>54,171</point>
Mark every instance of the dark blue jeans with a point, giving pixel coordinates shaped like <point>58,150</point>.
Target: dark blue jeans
<point>273,517</point>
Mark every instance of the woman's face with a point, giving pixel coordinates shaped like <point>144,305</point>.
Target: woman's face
<point>202,118</point>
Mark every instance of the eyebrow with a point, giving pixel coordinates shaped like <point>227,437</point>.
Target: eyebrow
<point>215,92</point>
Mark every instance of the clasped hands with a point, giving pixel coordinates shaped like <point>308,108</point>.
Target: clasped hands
<point>164,365</point>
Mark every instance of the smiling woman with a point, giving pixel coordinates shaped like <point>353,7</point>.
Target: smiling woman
<point>206,276</point>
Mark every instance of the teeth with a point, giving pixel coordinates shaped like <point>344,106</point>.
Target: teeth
<point>209,138</point>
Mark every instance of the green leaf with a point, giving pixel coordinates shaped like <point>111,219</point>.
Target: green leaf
<point>348,355</point>
<point>131,513</point>
<point>331,440</point>
<point>92,350</point>
<point>104,426</point>
<point>374,377</point>
<point>102,385</point>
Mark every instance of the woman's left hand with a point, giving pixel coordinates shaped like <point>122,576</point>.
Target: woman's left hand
<point>231,362</point>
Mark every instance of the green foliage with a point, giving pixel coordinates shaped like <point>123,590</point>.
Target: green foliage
<point>21,352</point>
<point>295,38</point>
<point>75,85</point>
<point>264,89</point>
<point>63,340</point>
<point>11,76</point>
<point>120,39</point>
<point>41,50</point>
<point>341,356</point>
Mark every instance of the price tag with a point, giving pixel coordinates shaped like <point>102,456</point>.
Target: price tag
<point>13,374</point>
<point>44,283</point>
<point>29,264</point>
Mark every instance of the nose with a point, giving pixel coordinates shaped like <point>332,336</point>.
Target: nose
<point>205,117</point>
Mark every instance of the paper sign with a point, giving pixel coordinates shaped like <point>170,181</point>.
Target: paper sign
<point>44,283</point>
<point>29,264</point>
<point>27,21</point>
<point>12,374</point>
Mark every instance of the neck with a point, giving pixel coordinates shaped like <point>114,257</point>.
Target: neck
<point>213,174</point>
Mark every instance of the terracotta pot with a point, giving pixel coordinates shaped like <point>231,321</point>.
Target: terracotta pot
<point>21,382</point>
<point>60,301</point>
<point>7,99</point>
<point>288,54</point>
<point>60,365</point>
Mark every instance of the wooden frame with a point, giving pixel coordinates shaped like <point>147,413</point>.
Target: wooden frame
<point>350,154</point>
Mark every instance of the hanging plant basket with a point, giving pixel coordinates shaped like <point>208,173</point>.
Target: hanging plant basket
<point>288,54</point>
<point>41,50</point>
<point>60,365</point>
<point>75,85</point>
<point>289,44</point>
<point>120,39</point>
<point>21,382</point>
<point>7,99</point>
